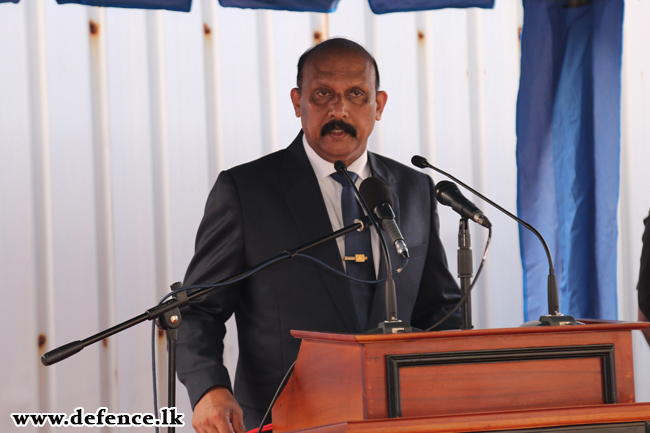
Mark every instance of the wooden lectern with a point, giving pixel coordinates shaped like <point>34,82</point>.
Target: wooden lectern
<point>546,378</point>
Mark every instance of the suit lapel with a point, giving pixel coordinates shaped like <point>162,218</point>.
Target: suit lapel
<point>305,201</point>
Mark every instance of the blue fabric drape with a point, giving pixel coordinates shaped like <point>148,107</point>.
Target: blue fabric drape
<point>377,6</point>
<point>9,1</point>
<point>323,6</point>
<point>388,6</point>
<point>172,5</point>
<point>568,145</point>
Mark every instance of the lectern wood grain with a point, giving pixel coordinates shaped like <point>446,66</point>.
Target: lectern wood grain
<point>323,373</point>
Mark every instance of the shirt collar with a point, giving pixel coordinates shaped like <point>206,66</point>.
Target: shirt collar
<point>324,168</point>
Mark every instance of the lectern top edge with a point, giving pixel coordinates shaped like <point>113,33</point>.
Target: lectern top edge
<point>590,326</point>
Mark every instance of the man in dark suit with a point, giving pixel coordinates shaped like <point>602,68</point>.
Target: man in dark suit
<point>285,200</point>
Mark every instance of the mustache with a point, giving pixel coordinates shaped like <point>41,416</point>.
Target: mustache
<point>340,125</point>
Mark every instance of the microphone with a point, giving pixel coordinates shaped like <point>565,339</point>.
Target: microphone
<point>554,317</point>
<point>448,194</point>
<point>380,200</point>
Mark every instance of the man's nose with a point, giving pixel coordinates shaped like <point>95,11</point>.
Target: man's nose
<point>339,107</point>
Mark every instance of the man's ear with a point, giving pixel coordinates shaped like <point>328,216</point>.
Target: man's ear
<point>295,100</point>
<point>381,99</point>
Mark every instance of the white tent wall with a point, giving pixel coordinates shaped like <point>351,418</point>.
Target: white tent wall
<point>111,136</point>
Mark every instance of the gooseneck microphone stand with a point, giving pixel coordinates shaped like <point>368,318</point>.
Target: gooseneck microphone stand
<point>167,314</point>
<point>554,317</point>
<point>465,272</point>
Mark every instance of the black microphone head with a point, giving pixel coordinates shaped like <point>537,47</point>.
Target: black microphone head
<point>375,191</point>
<point>448,194</point>
<point>340,166</point>
<point>445,191</point>
<point>419,161</point>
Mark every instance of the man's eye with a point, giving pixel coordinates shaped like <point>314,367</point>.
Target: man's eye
<point>322,93</point>
<point>356,93</point>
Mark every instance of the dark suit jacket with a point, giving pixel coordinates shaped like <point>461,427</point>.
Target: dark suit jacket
<point>254,212</point>
<point>644,272</point>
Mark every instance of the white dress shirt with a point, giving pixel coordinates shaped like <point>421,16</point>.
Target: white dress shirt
<point>331,191</point>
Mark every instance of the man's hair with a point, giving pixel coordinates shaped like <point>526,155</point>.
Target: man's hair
<point>333,45</point>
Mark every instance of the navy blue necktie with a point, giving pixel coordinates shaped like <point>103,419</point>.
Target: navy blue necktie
<point>358,251</point>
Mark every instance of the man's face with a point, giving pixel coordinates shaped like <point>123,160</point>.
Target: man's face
<point>338,104</point>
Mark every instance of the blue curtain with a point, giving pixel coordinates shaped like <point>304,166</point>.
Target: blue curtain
<point>377,6</point>
<point>568,146</point>
<point>323,6</point>
<point>172,5</point>
<point>387,6</point>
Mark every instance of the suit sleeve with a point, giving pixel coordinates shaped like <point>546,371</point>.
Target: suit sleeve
<point>438,293</point>
<point>219,253</point>
<point>644,272</point>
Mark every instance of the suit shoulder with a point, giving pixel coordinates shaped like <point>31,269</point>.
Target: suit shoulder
<point>403,172</point>
<point>264,165</point>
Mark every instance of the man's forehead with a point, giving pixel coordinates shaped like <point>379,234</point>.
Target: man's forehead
<point>349,66</point>
<point>337,58</point>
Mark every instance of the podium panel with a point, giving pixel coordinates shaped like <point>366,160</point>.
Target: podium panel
<point>483,380</point>
<point>488,386</point>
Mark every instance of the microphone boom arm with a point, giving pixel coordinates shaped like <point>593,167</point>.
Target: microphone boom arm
<point>65,351</point>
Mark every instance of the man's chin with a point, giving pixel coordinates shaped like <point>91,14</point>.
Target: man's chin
<point>347,154</point>
<point>339,146</point>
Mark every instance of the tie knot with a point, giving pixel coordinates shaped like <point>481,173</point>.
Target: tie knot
<point>343,180</point>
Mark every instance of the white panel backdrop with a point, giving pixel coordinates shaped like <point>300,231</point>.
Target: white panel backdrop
<point>114,124</point>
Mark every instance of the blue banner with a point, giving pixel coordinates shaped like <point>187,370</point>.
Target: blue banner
<point>568,146</point>
<point>377,6</point>
<point>172,5</point>
<point>323,6</point>
<point>388,6</point>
